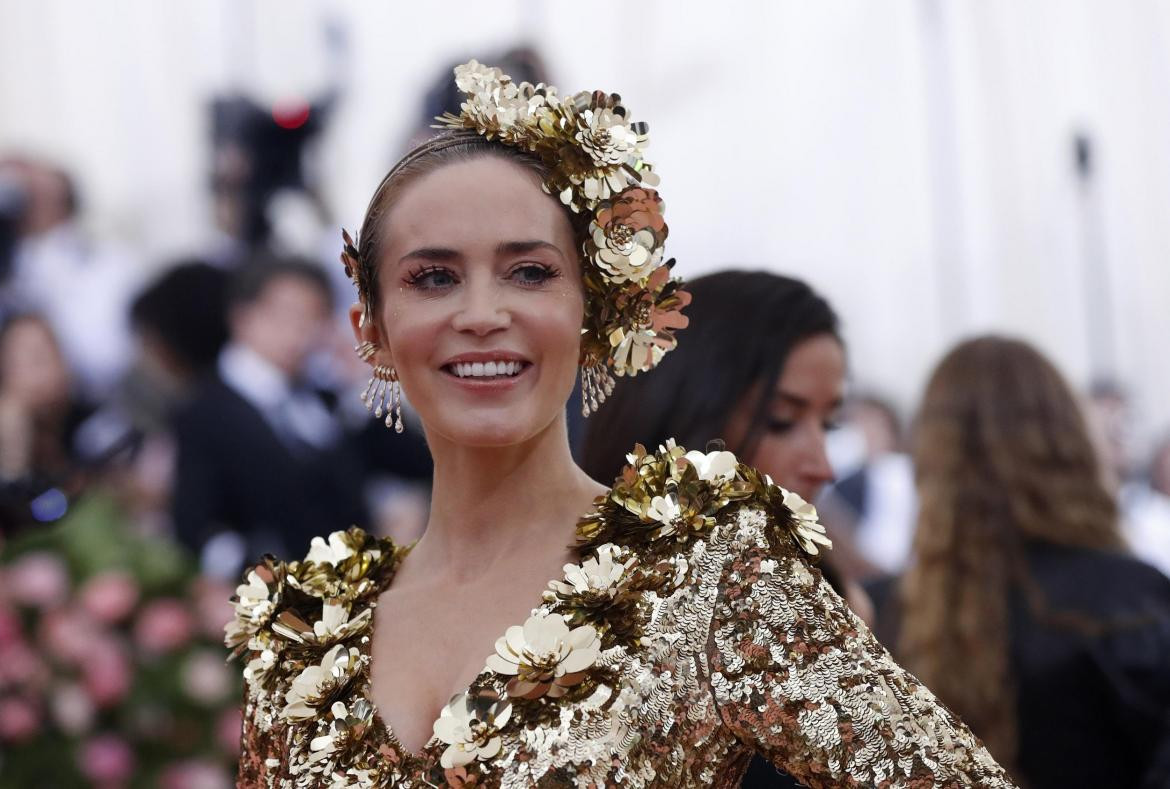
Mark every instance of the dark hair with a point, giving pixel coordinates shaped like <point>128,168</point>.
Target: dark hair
<point>446,147</point>
<point>185,309</point>
<point>744,324</point>
<point>248,283</point>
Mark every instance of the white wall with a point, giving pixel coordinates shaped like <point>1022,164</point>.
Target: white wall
<point>912,158</point>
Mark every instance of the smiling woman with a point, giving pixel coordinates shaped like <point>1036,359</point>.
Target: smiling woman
<point>687,629</point>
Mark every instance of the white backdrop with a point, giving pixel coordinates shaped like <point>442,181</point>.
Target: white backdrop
<point>912,158</point>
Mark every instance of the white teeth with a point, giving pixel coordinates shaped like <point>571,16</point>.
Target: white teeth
<point>485,369</point>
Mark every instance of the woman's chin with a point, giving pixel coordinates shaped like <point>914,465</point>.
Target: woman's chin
<point>491,430</point>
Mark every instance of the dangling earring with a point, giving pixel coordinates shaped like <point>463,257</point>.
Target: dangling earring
<point>596,385</point>
<point>383,382</point>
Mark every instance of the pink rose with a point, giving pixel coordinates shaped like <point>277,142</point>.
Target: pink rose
<point>213,606</point>
<point>19,719</point>
<point>38,579</point>
<point>206,677</point>
<point>106,759</point>
<point>195,774</point>
<point>10,628</point>
<point>20,666</point>
<point>67,634</point>
<point>106,672</point>
<point>228,730</point>
<point>164,626</point>
<point>109,597</point>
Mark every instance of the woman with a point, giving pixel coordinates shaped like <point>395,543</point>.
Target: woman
<point>1020,577</point>
<point>38,420</point>
<point>771,400</point>
<point>686,630</point>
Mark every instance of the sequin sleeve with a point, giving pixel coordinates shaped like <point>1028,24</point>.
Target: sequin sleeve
<point>263,754</point>
<point>799,678</point>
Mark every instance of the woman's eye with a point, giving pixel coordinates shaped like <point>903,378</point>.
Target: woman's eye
<point>779,425</point>
<point>532,274</point>
<point>432,279</point>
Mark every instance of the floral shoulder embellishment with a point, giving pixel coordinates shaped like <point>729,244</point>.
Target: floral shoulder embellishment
<point>313,602</point>
<point>673,496</point>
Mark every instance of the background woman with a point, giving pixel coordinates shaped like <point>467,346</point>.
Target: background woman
<point>1020,578</point>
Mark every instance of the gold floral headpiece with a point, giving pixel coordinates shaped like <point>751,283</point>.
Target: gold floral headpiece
<point>592,152</point>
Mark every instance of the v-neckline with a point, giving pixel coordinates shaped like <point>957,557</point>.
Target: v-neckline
<point>426,754</point>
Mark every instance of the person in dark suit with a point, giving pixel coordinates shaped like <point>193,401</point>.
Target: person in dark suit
<point>263,463</point>
<point>1022,609</point>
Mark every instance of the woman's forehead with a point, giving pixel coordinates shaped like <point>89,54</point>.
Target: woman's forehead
<point>482,200</point>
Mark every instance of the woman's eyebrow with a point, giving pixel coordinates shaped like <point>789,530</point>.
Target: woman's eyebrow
<point>521,247</point>
<point>430,253</point>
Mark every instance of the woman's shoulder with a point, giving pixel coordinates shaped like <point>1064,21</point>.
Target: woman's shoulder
<point>1102,582</point>
<point>317,601</point>
<point>666,501</point>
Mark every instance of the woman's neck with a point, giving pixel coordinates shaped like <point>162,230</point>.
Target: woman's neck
<point>491,503</point>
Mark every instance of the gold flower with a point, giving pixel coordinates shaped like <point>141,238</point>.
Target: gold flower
<point>806,528</point>
<point>349,725</point>
<point>318,684</point>
<point>333,627</point>
<point>648,318</point>
<point>255,603</point>
<point>474,77</point>
<point>605,132</point>
<point>544,657</point>
<point>346,567</point>
<point>470,726</point>
<point>596,578</point>
<point>713,466</point>
<point>626,235</point>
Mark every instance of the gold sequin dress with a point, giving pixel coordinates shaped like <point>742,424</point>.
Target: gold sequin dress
<point>693,633</point>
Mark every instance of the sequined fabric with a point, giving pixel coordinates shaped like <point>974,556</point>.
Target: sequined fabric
<point>672,660</point>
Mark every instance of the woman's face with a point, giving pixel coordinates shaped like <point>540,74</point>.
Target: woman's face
<point>481,302</point>
<point>802,408</point>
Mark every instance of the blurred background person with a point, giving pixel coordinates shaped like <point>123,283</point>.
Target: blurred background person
<point>81,286</point>
<point>263,460</point>
<point>1021,609</point>
<point>873,500</point>
<point>763,370</point>
<point>1145,503</point>
<point>39,417</point>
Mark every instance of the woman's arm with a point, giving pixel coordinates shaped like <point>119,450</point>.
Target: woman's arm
<point>799,678</point>
<point>264,748</point>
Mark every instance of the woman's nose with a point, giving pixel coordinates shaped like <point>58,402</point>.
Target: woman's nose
<point>816,459</point>
<point>483,309</point>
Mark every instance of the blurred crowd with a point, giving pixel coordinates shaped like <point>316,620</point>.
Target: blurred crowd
<point>210,406</point>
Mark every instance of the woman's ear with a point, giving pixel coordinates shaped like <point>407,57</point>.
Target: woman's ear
<point>366,330</point>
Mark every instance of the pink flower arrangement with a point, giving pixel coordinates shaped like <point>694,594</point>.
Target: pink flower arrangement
<point>106,672</point>
<point>19,719</point>
<point>109,597</point>
<point>106,759</point>
<point>164,626</point>
<point>98,671</point>
<point>38,579</point>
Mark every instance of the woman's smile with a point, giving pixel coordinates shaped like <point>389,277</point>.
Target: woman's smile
<point>487,371</point>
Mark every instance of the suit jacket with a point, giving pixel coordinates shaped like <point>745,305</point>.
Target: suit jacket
<point>236,473</point>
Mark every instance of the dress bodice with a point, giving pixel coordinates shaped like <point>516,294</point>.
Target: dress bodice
<point>693,632</point>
